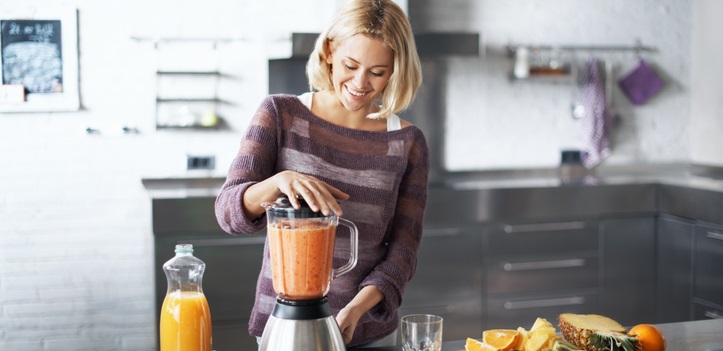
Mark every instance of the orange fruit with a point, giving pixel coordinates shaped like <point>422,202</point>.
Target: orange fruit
<point>650,338</point>
<point>501,339</point>
<point>476,345</point>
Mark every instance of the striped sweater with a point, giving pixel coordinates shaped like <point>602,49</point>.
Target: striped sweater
<point>385,174</point>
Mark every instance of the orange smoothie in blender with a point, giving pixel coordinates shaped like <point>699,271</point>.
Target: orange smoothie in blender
<point>301,258</point>
<point>185,322</point>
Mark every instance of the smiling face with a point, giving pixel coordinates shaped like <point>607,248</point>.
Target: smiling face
<point>361,68</point>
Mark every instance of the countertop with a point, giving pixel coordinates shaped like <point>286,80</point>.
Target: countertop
<point>683,190</point>
<point>698,177</point>
<point>705,335</point>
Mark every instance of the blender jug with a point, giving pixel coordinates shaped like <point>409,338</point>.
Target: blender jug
<point>301,245</point>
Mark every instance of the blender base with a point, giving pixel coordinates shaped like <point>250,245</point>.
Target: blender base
<point>301,326</point>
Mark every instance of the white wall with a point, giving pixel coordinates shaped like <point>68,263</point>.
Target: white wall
<point>521,124</point>
<point>75,234</point>
<point>707,90</point>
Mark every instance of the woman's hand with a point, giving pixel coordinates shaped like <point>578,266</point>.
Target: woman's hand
<point>348,317</point>
<point>318,194</point>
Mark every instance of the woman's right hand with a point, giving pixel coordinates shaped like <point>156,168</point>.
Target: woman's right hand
<point>318,194</point>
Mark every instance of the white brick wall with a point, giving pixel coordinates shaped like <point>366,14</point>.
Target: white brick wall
<point>75,230</point>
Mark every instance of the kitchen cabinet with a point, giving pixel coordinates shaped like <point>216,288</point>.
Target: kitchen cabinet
<point>627,279</point>
<point>232,265</point>
<point>539,269</point>
<point>499,258</point>
<point>708,276</point>
<point>674,250</point>
<point>448,280</point>
<point>689,272</point>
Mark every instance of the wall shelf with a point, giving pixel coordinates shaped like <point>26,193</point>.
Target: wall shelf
<point>189,73</point>
<point>558,62</point>
<point>212,100</point>
<point>187,99</point>
<point>188,127</point>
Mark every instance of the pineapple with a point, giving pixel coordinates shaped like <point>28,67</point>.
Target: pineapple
<point>540,337</point>
<point>595,333</point>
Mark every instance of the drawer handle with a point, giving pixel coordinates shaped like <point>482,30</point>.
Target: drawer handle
<point>714,235</point>
<point>713,314</point>
<point>543,227</point>
<point>227,241</point>
<point>563,301</point>
<point>528,266</point>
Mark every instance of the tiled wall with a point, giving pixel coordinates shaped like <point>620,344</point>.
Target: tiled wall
<point>75,234</point>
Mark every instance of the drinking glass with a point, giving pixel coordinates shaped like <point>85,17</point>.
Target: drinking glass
<point>421,332</point>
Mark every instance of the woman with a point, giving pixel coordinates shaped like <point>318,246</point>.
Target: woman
<point>344,150</point>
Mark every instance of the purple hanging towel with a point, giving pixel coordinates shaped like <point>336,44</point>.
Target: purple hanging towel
<point>596,123</point>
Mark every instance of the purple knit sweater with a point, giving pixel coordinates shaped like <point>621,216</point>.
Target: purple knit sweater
<point>385,174</point>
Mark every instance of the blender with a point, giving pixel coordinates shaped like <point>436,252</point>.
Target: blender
<point>301,245</point>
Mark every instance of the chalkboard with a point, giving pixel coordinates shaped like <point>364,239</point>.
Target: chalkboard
<point>32,54</point>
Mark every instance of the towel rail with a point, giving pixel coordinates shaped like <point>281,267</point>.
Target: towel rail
<point>637,48</point>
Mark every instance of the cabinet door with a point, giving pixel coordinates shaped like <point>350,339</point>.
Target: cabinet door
<point>540,269</point>
<point>229,282</point>
<point>520,310</point>
<point>448,280</point>
<point>708,276</point>
<point>702,311</point>
<point>674,269</point>
<point>526,238</point>
<point>573,270</point>
<point>628,274</point>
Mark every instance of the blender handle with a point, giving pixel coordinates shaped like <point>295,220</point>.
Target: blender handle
<point>353,244</point>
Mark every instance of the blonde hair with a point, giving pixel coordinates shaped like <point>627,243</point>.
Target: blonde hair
<point>381,19</point>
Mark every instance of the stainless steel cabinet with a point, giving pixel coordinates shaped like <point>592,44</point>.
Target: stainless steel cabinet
<point>627,280</point>
<point>232,265</point>
<point>448,280</point>
<point>703,310</point>
<point>539,269</point>
<point>674,245</point>
<point>689,273</point>
<point>708,277</point>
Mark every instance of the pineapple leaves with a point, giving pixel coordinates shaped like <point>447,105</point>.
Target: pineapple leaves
<point>612,341</point>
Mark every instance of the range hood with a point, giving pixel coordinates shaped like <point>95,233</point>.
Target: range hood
<point>429,45</point>
<point>425,19</point>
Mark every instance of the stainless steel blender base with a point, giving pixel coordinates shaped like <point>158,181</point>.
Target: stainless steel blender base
<point>302,335</point>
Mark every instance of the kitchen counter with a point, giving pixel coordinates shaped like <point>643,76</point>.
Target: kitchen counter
<point>623,206</point>
<point>682,190</point>
<point>684,336</point>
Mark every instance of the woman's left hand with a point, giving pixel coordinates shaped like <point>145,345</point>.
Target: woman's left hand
<point>348,317</point>
<point>347,320</point>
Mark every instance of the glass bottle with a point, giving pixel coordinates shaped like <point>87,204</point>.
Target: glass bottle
<point>185,315</point>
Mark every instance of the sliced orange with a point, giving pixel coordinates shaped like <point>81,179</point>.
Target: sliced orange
<point>476,345</point>
<point>501,339</point>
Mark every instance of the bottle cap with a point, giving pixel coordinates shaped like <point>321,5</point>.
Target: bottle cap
<point>184,248</point>
<point>570,157</point>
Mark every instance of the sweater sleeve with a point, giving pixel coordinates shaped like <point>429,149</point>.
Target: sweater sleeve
<point>397,269</point>
<point>254,162</point>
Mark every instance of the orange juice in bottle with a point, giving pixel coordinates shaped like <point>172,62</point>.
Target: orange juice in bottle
<point>185,316</point>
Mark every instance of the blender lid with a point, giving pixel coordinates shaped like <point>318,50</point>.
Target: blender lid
<point>282,208</point>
